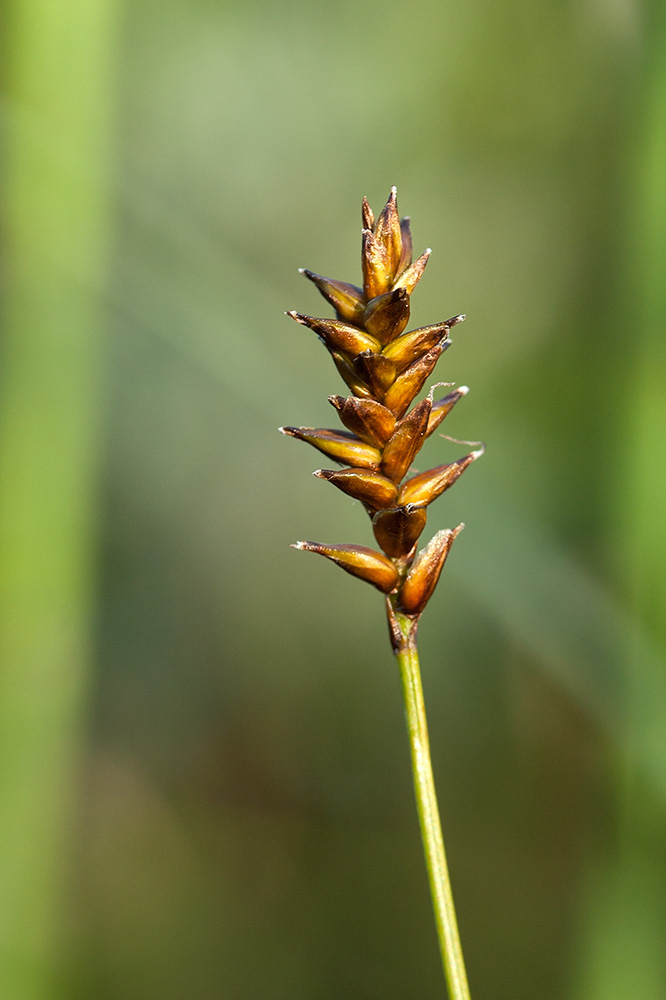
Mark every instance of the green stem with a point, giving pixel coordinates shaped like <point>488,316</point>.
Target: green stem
<point>426,805</point>
<point>57,61</point>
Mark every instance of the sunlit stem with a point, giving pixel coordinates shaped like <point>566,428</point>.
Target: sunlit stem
<point>404,633</point>
<point>59,79</point>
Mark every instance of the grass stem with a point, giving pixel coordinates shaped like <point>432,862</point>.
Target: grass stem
<point>428,812</point>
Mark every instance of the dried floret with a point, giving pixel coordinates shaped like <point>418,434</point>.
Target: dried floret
<point>385,368</point>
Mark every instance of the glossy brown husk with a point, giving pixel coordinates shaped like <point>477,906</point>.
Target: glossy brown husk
<point>385,367</point>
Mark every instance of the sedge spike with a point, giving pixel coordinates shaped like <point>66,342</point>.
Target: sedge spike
<point>385,367</point>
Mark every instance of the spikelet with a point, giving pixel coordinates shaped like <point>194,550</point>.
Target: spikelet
<point>385,367</point>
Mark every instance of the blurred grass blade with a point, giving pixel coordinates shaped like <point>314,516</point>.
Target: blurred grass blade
<point>572,626</point>
<point>623,949</point>
<point>56,66</point>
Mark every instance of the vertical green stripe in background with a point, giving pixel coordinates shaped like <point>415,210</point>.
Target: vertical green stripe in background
<point>624,948</point>
<point>641,875</point>
<point>646,494</point>
<point>56,220</point>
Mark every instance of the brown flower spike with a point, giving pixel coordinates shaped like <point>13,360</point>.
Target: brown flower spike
<point>385,368</point>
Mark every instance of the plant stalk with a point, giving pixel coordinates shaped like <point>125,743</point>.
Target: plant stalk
<point>58,67</point>
<point>426,805</point>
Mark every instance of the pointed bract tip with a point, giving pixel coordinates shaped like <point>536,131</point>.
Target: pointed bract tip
<point>479,451</point>
<point>425,571</point>
<point>394,191</point>
<point>463,389</point>
<point>319,474</point>
<point>302,270</point>
<point>299,545</point>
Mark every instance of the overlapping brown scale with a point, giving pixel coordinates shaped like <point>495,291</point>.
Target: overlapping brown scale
<point>365,417</point>
<point>413,345</point>
<point>385,368</point>
<point>338,336</point>
<point>367,215</point>
<point>342,447</point>
<point>410,278</point>
<point>424,573</point>
<point>387,233</point>
<point>373,490</point>
<point>406,233</point>
<point>346,299</point>
<point>386,316</point>
<point>410,382</point>
<point>405,442</point>
<point>350,376</point>
<point>427,486</point>
<point>442,407</point>
<point>397,529</point>
<point>377,274</point>
<point>376,371</point>
<point>360,561</point>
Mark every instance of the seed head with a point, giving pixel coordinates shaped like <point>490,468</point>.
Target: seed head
<point>424,574</point>
<point>427,486</point>
<point>385,368</point>
<point>342,447</point>
<point>370,566</point>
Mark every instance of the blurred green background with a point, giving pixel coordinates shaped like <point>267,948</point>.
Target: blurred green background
<point>204,777</point>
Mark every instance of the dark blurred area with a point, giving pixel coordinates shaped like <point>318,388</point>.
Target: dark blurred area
<point>204,774</point>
